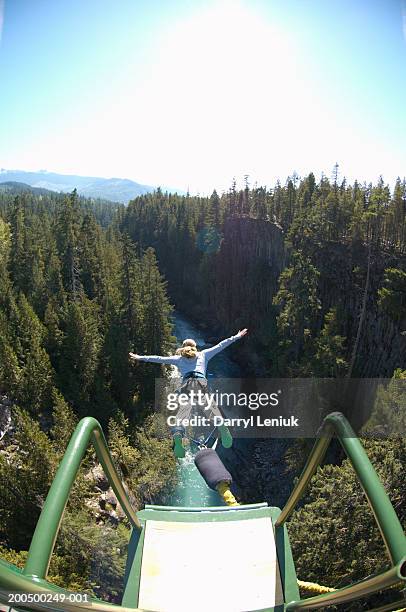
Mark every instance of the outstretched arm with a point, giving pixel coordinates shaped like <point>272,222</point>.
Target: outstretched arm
<point>210,352</point>
<point>171,360</point>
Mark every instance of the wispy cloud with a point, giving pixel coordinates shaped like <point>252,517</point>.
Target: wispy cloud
<point>2,3</point>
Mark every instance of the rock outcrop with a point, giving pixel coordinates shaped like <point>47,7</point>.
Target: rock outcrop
<point>5,415</point>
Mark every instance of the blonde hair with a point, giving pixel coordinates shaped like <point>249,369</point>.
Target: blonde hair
<point>188,349</point>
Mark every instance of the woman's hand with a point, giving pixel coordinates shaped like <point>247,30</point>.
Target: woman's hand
<point>133,356</point>
<point>242,332</point>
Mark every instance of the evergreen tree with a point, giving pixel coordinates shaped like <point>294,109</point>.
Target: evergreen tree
<point>26,470</point>
<point>10,370</point>
<point>299,303</point>
<point>68,237</point>
<point>35,378</point>
<point>350,549</point>
<point>329,360</point>
<point>64,422</point>
<point>93,265</point>
<point>156,326</point>
<point>53,277</point>
<point>18,250</point>
<point>131,287</point>
<point>392,295</point>
<point>5,248</point>
<point>80,351</point>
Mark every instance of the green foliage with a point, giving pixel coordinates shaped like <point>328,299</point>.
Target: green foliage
<point>10,370</point>
<point>329,358</point>
<point>299,303</point>
<point>64,422</point>
<point>89,557</point>
<point>336,517</point>
<point>83,297</point>
<point>392,295</point>
<point>156,474</point>
<point>68,240</point>
<point>80,350</point>
<point>13,557</point>
<point>388,416</point>
<point>26,470</point>
<point>144,456</point>
<point>337,521</point>
<point>36,374</point>
<point>86,558</point>
<point>5,244</point>
<point>156,326</point>
<point>125,455</point>
<point>65,333</point>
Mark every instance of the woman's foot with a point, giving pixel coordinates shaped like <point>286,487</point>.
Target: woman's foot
<point>178,447</point>
<point>224,491</point>
<point>226,437</point>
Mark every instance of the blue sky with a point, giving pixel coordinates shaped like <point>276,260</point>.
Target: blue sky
<point>192,93</point>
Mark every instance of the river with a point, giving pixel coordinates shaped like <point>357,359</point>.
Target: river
<point>191,489</point>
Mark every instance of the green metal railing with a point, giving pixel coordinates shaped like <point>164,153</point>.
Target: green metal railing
<point>13,580</point>
<point>43,541</point>
<point>385,516</point>
<point>32,578</point>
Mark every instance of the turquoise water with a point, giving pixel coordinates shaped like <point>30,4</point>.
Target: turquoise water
<point>191,489</point>
<point>221,366</point>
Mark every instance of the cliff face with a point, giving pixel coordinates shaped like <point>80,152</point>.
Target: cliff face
<point>244,280</point>
<point>259,470</point>
<point>251,258</point>
<point>382,346</point>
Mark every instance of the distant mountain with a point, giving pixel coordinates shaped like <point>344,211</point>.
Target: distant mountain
<point>15,187</point>
<point>114,189</point>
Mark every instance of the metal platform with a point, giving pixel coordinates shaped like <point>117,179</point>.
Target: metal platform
<point>233,563</point>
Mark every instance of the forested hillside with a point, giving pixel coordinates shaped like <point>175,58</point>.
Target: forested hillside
<point>75,298</point>
<point>46,201</point>
<point>315,270</point>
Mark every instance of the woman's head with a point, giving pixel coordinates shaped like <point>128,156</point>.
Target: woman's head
<point>188,349</point>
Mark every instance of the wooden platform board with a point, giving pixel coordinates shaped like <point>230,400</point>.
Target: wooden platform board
<point>224,566</point>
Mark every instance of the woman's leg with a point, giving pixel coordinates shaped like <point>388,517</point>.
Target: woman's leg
<point>212,411</point>
<point>184,412</point>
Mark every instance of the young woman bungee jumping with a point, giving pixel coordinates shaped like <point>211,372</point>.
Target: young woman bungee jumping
<point>192,365</point>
